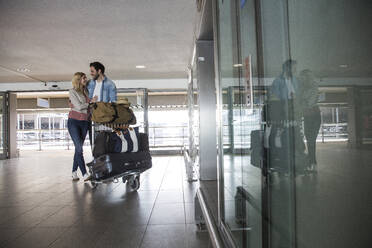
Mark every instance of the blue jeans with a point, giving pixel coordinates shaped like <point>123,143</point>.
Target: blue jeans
<point>78,131</point>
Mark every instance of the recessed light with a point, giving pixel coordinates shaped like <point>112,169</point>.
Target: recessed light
<point>23,70</point>
<point>140,66</point>
<point>238,65</point>
<point>343,66</point>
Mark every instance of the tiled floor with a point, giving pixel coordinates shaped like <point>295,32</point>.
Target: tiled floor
<point>41,207</point>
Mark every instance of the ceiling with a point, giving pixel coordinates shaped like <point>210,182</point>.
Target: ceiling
<point>54,39</point>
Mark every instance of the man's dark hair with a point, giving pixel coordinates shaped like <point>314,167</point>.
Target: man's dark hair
<point>98,66</point>
<point>287,66</point>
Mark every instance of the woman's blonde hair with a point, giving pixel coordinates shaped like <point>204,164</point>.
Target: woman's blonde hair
<point>76,79</point>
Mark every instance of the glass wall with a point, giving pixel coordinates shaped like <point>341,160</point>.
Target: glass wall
<point>166,133</point>
<point>296,83</point>
<point>43,131</point>
<point>3,127</point>
<point>331,42</point>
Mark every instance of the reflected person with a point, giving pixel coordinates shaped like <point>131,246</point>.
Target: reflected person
<point>285,86</point>
<point>311,112</point>
<point>285,119</point>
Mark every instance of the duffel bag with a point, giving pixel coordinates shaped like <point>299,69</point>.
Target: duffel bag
<point>124,115</point>
<point>103,112</point>
<point>129,139</point>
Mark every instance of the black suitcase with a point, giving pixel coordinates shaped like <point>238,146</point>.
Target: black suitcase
<point>106,142</point>
<point>101,167</point>
<point>113,164</point>
<point>257,148</point>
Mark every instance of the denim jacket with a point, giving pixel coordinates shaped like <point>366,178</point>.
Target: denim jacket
<point>279,88</point>
<point>108,90</point>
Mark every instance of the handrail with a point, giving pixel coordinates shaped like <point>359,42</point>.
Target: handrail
<point>211,226</point>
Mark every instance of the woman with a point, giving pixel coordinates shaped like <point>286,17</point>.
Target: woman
<point>311,111</point>
<point>78,122</point>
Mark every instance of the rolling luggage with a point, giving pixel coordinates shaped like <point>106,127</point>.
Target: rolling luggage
<point>115,165</point>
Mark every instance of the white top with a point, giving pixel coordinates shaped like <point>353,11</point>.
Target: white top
<point>97,91</point>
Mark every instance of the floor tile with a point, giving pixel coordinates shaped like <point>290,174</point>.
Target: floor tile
<point>37,237</point>
<point>195,239</point>
<point>168,213</point>
<point>170,196</point>
<point>32,217</point>
<point>124,236</point>
<point>7,235</point>
<point>76,237</point>
<point>165,236</point>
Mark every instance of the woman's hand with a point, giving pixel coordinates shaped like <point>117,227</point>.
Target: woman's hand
<point>94,99</point>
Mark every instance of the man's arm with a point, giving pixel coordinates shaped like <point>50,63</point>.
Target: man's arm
<point>90,89</point>
<point>113,93</point>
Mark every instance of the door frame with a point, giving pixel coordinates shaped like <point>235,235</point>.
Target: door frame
<point>226,234</point>
<point>5,125</point>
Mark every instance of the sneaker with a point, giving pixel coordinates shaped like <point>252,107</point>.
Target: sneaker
<point>75,176</point>
<point>87,177</point>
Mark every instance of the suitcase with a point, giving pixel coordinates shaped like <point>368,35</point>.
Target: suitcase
<point>114,164</point>
<point>106,142</point>
<point>257,148</point>
<point>101,167</point>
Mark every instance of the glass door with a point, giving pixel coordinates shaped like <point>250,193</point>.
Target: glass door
<point>242,130</point>
<point>3,126</point>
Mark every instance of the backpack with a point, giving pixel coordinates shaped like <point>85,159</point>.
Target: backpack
<point>106,142</point>
<point>103,112</point>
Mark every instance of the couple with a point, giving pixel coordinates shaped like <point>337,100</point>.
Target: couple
<point>98,89</point>
<point>304,90</point>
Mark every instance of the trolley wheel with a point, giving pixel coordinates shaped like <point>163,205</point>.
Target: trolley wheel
<point>134,182</point>
<point>125,179</point>
<point>94,184</point>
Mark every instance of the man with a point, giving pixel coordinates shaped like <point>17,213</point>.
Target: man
<point>101,87</point>
<point>285,86</point>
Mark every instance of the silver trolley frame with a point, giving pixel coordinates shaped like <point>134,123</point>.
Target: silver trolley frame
<point>131,176</point>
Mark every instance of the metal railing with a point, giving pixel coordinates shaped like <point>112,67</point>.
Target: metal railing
<point>174,137</point>
<point>41,139</point>
<point>168,136</point>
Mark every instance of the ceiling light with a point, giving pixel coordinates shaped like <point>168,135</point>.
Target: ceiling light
<point>238,65</point>
<point>343,66</point>
<point>23,70</point>
<point>140,66</point>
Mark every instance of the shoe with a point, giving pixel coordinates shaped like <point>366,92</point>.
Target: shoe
<point>75,176</point>
<point>87,177</point>
<point>313,168</point>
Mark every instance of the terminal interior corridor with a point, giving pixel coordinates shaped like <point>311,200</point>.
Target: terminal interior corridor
<point>41,207</point>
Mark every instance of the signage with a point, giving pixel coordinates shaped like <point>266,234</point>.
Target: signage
<point>44,103</point>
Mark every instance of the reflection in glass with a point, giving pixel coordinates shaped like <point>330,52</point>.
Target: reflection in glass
<point>305,179</point>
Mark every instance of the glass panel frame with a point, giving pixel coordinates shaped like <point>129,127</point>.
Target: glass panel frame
<point>4,132</point>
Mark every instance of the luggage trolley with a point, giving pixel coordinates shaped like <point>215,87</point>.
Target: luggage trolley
<point>115,166</point>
